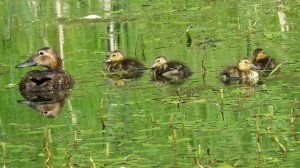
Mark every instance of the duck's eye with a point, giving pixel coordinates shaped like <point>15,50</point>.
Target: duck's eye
<point>114,55</point>
<point>157,60</point>
<point>41,53</point>
<point>45,112</point>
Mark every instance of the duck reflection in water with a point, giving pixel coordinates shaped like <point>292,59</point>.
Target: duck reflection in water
<point>169,71</point>
<point>119,68</point>
<point>48,104</point>
<point>240,74</point>
<point>45,90</point>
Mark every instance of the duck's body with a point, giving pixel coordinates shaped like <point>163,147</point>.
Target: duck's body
<point>242,71</point>
<point>48,80</point>
<point>262,61</point>
<point>54,78</point>
<point>124,67</point>
<point>171,71</point>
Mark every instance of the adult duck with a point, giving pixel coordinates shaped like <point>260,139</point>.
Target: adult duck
<point>51,79</point>
<point>242,73</point>
<point>169,71</point>
<point>262,61</point>
<point>118,66</point>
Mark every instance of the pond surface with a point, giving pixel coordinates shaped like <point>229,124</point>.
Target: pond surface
<point>139,123</point>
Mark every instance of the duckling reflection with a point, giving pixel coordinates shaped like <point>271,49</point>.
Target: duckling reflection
<point>240,74</point>
<point>169,71</point>
<point>54,78</point>
<point>262,61</point>
<point>120,67</point>
<point>48,104</point>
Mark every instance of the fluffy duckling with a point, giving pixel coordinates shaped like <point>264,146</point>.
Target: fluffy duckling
<point>262,61</point>
<point>240,72</point>
<point>128,68</point>
<point>170,71</point>
<point>54,78</point>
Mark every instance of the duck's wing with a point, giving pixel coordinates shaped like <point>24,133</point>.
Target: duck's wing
<point>46,81</point>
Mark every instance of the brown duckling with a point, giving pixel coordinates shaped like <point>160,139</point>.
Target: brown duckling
<point>262,61</point>
<point>170,71</point>
<point>240,72</point>
<point>124,67</point>
<point>54,78</point>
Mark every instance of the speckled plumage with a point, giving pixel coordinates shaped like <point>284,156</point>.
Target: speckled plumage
<point>170,71</point>
<point>54,78</point>
<point>262,61</point>
<point>241,71</point>
<point>121,67</point>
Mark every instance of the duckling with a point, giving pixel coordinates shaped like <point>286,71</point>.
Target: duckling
<point>170,71</point>
<point>125,67</point>
<point>262,61</point>
<point>242,72</point>
<point>54,78</point>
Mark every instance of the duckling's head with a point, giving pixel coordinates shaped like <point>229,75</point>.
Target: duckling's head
<point>258,54</point>
<point>116,56</point>
<point>46,57</point>
<point>159,61</point>
<point>244,64</point>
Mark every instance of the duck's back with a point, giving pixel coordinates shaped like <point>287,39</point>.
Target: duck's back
<point>48,80</point>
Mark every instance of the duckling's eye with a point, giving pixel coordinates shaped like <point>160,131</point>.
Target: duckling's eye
<point>157,60</point>
<point>41,53</point>
<point>114,55</point>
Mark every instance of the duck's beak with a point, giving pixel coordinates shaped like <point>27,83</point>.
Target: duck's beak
<point>30,62</point>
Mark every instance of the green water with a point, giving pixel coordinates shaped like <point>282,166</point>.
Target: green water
<point>144,124</point>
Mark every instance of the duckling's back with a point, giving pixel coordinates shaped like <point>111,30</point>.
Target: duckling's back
<point>178,69</point>
<point>267,63</point>
<point>132,65</point>
<point>125,65</point>
<point>230,73</point>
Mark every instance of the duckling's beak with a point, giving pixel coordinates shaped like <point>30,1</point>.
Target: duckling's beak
<point>108,60</point>
<point>30,62</point>
<point>253,66</point>
<point>153,66</point>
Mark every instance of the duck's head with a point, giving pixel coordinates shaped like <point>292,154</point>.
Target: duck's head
<point>245,64</point>
<point>46,57</point>
<point>116,56</point>
<point>258,54</point>
<point>159,62</point>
